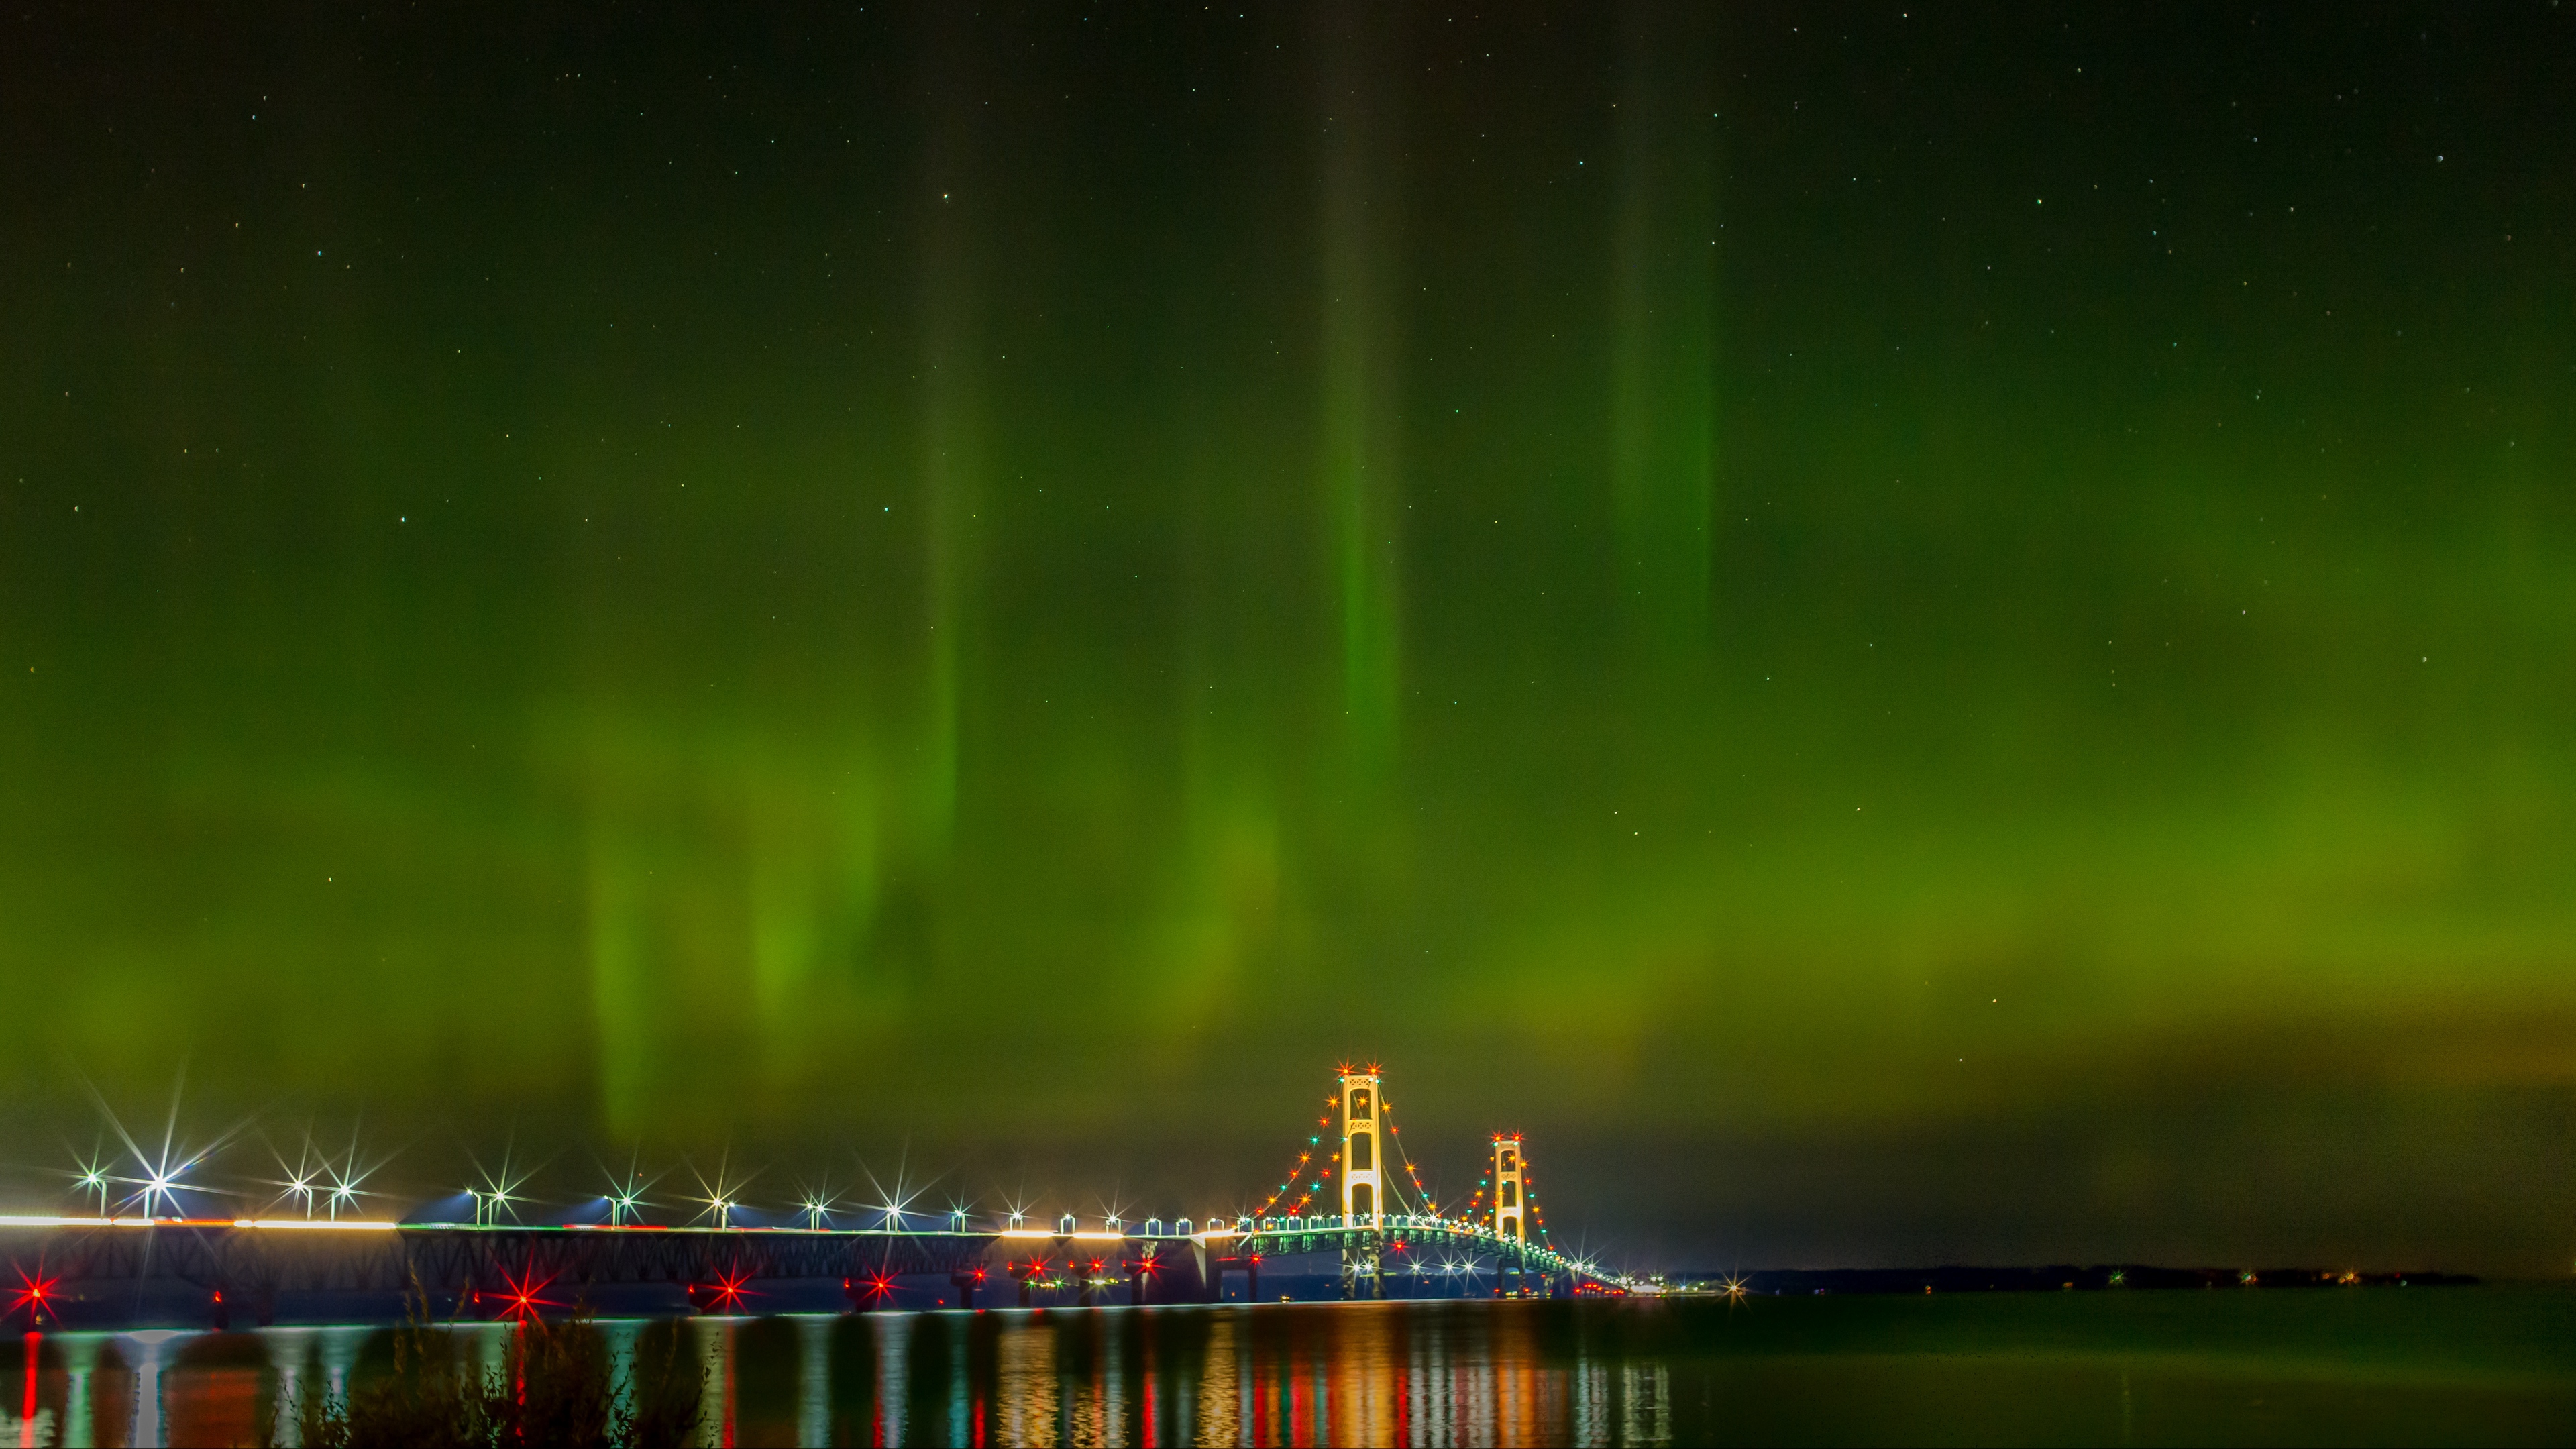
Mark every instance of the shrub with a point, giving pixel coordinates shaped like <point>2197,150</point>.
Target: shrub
<point>555,1387</point>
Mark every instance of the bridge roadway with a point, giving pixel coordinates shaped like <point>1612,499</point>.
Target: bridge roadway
<point>1399,1234</point>
<point>246,1263</point>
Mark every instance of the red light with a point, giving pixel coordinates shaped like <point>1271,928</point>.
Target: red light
<point>729,1289</point>
<point>32,1292</point>
<point>522,1294</point>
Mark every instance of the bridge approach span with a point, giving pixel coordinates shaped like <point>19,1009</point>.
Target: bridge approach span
<point>250,1263</point>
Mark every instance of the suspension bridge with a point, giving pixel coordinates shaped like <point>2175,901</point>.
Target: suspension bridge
<point>1352,1197</point>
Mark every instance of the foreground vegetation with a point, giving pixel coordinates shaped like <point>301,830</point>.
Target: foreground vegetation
<point>555,1387</point>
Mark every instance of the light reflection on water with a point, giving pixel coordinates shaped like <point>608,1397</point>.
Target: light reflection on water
<point>1379,1374</point>
<point>1431,1374</point>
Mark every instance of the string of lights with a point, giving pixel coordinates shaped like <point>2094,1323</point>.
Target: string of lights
<point>1323,1125</point>
<point>1529,1195</point>
<point>1297,1169</point>
<point>1395,1139</point>
<point>1325,1165</point>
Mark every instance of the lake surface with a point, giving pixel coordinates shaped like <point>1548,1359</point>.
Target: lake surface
<point>2492,1364</point>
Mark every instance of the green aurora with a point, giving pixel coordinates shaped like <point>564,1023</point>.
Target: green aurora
<point>1902,636</point>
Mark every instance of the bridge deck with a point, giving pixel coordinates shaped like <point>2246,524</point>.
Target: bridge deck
<point>383,1258</point>
<point>261,1259</point>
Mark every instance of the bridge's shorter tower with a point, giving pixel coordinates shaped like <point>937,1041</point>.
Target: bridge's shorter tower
<point>1511,1195</point>
<point>1363,1191</point>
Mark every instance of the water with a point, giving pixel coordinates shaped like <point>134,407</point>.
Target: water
<point>2470,1365</point>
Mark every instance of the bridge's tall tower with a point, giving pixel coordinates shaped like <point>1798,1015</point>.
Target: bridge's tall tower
<point>1511,1198</point>
<point>1363,1110</point>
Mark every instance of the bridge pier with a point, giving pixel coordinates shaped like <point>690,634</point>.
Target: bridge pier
<point>966,1283</point>
<point>1248,1265</point>
<point>1363,1268</point>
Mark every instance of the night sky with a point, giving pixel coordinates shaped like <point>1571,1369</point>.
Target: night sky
<point>1906,631</point>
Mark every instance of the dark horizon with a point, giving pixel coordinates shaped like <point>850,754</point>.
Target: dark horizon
<point>1907,634</point>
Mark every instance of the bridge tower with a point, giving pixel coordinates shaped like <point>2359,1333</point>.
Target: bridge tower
<point>1363,1182</point>
<point>1363,1196</point>
<point>1511,1202</point>
<point>1511,1210</point>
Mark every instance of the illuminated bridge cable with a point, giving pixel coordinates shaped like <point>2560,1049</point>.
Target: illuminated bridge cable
<point>1529,1192</point>
<point>1297,1170</point>
<point>1422,1203</point>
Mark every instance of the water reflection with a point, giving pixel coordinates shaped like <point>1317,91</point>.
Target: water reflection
<point>1390,1373</point>
<point>1357,1374</point>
